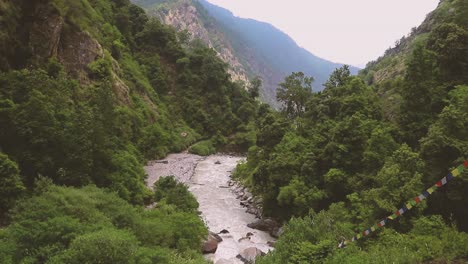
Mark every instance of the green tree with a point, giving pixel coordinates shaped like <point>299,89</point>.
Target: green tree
<point>254,88</point>
<point>11,186</point>
<point>294,93</point>
<point>339,77</point>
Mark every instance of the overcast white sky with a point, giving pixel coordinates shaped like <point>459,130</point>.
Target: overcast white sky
<point>346,31</point>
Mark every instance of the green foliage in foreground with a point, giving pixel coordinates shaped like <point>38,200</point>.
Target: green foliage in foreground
<point>90,225</point>
<point>313,239</point>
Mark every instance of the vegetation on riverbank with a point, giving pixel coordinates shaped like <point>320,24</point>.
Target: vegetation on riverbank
<point>342,162</point>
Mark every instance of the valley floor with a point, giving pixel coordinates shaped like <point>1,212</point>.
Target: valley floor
<point>208,179</point>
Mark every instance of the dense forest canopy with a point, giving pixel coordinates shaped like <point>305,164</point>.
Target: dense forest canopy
<point>83,107</point>
<point>339,163</point>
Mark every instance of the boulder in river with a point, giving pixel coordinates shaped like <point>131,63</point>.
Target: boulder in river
<point>249,255</point>
<point>218,162</point>
<point>211,243</point>
<point>224,231</point>
<point>266,224</point>
<point>215,236</point>
<point>276,232</point>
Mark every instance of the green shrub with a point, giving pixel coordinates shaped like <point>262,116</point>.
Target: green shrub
<point>203,148</point>
<point>168,190</point>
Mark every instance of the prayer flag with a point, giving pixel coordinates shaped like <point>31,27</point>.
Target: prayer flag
<point>449,176</point>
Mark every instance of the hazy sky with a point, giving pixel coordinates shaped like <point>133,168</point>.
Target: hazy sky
<point>352,32</point>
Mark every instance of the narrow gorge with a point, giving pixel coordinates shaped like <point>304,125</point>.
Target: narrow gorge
<point>209,179</point>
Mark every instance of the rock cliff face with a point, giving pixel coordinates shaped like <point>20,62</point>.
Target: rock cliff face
<point>50,37</point>
<point>184,16</point>
<point>74,49</point>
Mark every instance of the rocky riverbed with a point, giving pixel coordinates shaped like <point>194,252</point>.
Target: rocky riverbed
<point>223,209</point>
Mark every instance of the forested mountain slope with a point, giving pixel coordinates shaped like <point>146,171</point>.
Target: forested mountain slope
<point>89,90</point>
<point>252,48</point>
<point>355,153</point>
<point>392,64</point>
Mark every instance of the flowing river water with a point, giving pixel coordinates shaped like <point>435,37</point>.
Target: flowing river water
<point>207,178</point>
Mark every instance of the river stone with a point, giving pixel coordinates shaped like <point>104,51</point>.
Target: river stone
<point>249,255</point>
<point>211,243</point>
<point>215,236</point>
<point>266,224</point>
<point>276,232</point>
<point>210,246</point>
<point>224,231</point>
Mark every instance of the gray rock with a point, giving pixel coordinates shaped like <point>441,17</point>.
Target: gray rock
<point>277,232</point>
<point>249,255</point>
<point>210,245</point>
<point>266,224</point>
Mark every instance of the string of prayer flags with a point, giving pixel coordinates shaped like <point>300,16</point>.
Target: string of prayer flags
<point>410,204</point>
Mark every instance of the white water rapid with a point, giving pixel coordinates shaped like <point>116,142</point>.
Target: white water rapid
<point>208,179</point>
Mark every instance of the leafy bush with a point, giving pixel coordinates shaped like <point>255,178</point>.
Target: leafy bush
<point>203,148</point>
<point>68,225</point>
<point>172,192</point>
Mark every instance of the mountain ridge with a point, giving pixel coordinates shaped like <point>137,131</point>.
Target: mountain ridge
<point>254,44</point>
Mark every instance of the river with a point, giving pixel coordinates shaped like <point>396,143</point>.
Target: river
<point>207,178</point>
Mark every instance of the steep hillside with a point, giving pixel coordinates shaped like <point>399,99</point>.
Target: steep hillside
<point>393,63</point>
<point>252,48</point>
<point>388,71</point>
<point>89,91</point>
<point>82,104</point>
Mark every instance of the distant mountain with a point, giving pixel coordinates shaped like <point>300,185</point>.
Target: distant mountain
<point>252,48</point>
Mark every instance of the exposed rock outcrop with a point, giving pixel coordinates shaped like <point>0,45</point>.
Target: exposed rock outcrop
<point>46,31</point>
<point>49,37</point>
<point>183,15</point>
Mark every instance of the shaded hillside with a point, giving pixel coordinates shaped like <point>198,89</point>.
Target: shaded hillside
<point>392,64</point>
<point>252,48</point>
<point>387,72</point>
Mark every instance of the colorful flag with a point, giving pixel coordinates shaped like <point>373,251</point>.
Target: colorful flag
<point>449,176</point>
<point>431,189</point>
<point>410,204</point>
